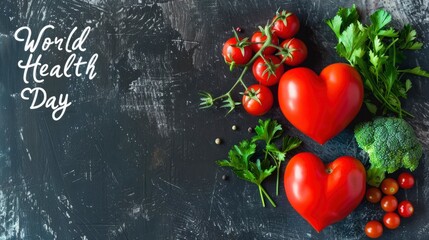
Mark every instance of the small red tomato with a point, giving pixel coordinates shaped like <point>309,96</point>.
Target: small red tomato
<point>294,51</point>
<point>406,180</point>
<point>374,229</point>
<point>268,72</point>
<point>389,203</point>
<point>405,209</point>
<point>237,51</point>
<point>389,186</point>
<point>257,100</point>
<point>391,220</point>
<point>373,195</point>
<point>286,24</point>
<point>258,39</point>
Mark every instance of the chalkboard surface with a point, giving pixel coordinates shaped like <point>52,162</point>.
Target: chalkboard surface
<point>133,156</point>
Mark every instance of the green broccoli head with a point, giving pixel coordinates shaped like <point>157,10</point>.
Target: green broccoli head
<point>391,144</point>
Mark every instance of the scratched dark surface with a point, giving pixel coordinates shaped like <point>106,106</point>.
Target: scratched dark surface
<point>133,157</point>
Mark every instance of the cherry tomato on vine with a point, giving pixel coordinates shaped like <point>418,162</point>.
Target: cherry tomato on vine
<point>373,195</point>
<point>258,39</point>
<point>237,51</point>
<point>374,229</point>
<point>405,209</point>
<point>285,24</point>
<point>391,220</point>
<point>389,186</point>
<point>268,70</point>
<point>294,51</point>
<point>406,180</point>
<point>389,203</point>
<point>257,100</point>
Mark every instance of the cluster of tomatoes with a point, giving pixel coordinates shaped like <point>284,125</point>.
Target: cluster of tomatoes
<point>389,204</point>
<point>268,55</point>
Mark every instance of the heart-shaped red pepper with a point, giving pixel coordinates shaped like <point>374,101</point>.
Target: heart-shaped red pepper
<point>321,194</point>
<point>321,106</point>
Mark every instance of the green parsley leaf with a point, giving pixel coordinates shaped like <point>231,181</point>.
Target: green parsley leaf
<point>290,143</point>
<point>407,37</point>
<point>416,71</point>
<point>348,16</point>
<point>267,131</point>
<point>372,108</point>
<point>380,19</point>
<point>259,172</point>
<point>275,152</point>
<point>353,40</point>
<point>408,85</point>
<point>335,24</point>
<point>378,45</point>
<point>239,156</point>
<point>388,33</point>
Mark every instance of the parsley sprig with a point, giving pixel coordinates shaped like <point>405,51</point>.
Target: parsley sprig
<point>268,131</point>
<point>252,171</point>
<point>376,50</point>
<point>243,158</point>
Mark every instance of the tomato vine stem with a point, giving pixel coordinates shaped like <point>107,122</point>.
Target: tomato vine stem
<point>208,100</point>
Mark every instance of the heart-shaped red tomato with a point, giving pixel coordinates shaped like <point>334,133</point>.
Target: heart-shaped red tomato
<point>321,106</point>
<point>321,194</point>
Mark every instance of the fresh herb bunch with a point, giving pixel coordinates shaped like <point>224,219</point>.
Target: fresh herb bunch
<point>241,158</point>
<point>376,50</point>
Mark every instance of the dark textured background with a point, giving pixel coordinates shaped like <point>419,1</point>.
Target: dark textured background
<point>133,157</point>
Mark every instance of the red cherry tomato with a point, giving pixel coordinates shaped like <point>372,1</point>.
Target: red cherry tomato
<point>373,195</point>
<point>389,186</point>
<point>389,203</point>
<point>263,75</point>
<point>406,180</point>
<point>391,220</point>
<point>259,39</point>
<point>286,24</point>
<point>234,53</point>
<point>374,229</point>
<point>294,51</point>
<point>262,105</point>
<point>405,209</point>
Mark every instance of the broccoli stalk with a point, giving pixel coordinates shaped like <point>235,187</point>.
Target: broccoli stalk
<point>374,175</point>
<point>391,144</point>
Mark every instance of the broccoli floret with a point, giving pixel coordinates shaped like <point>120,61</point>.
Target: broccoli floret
<point>391,144</point>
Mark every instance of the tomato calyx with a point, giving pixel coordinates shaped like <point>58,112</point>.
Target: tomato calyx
<point>206,100</point>
<point>229,103</point>
<point>253,94</point>
<point>282,15</point>
<point>271,67</point>
<point>265,31</point>
<point>241,43</point>
<point>287,51</point>
<point>262,30</point>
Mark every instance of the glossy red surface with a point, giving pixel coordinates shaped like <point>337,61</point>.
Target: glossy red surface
<point>324,194</point>
<point>321,106</point>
